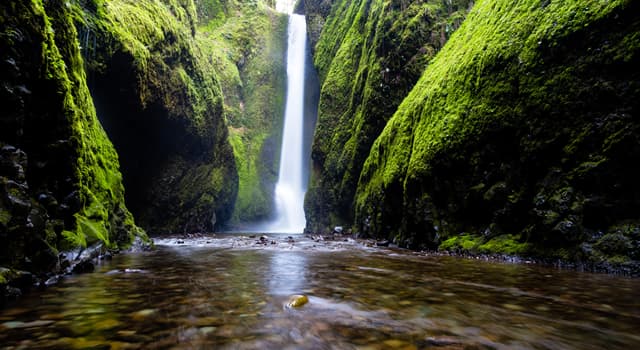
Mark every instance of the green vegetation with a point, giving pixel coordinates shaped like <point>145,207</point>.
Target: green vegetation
<point>504,244</point>
<point>522,123</point>
<point>249,48</point>
<point>369,56</point>
<point>74,195</point>
<point>155,81</point>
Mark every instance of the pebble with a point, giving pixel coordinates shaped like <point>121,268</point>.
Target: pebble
<point>32,324</point>
<point>297,300</point>
<point>142,314</point>
<point>399,344</point>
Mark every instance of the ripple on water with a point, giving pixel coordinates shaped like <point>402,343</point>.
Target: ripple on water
<point>228,292</point>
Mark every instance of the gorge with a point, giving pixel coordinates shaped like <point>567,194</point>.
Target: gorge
<point>495,130</point>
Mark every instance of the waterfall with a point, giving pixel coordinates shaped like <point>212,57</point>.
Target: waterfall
<point>291,184</point>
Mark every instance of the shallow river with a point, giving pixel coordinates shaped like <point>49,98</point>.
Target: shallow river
<point>231,292</point>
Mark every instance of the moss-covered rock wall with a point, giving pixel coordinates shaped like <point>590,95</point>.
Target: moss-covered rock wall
<point>369,56</point>
<point>247,42</point>
<point>60,186</point>
<point>156,87</point>
<point>520,137</point>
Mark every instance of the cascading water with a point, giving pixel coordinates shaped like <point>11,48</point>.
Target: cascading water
<point>291,184</point>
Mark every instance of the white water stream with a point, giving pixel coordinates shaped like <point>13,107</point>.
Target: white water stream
<point>291,184</point>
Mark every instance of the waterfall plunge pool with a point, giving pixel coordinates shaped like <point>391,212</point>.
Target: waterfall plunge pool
<point>230,291</point>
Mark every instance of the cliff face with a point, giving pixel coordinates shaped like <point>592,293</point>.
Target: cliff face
<point>247,43</point>
<point>60,186</point>
<point>158,95</point>
<point>518,137</point>
<point>369,56</point>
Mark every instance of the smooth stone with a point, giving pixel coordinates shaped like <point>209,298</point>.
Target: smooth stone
<point>207,330</point>
<point>142,314</point>
<point>297,300</point>
<point>399,344</point>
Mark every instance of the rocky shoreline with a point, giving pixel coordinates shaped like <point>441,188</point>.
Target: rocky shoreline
<point>15,283</point>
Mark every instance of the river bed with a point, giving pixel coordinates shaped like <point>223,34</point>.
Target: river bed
<point>231,292</point>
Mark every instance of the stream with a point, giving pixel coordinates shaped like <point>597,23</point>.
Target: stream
<point>231,292</point>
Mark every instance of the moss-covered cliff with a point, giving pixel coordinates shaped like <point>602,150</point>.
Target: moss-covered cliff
<point>60,186</point>
<point>247,42</point>
<point>369,56</point>
<point>157,92</point>
<point>523,133</point>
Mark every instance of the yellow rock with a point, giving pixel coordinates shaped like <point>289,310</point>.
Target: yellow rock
<point>399,344</point>
<point>297,300</point>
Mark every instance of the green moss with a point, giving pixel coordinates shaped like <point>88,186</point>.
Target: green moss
<point>503,244</point>
<point>5,217</point>
<point>369,55</point>
<point>248,49</point>
<point>464,242</point>
<point>155,76</point>
<point>511,102</point>
<point>97,169</point>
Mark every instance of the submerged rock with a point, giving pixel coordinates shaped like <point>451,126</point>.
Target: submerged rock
<point>297,300</point>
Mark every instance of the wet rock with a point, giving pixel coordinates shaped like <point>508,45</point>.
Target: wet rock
<point>399,344</point>
<point>49,202</point>
<point>143,314</point>
<point>72,202</point>
<point>383,243</point>
<point>12,292</point>
<point>16,197</point>
<point>297,300</point>
<point>64,262</point>
<point>13,162</point>
<point>23,280</point>
<point>443,341</point>
<point>52,280</point>
<point>338,229</point>
<point>614,243</point>
<point>84,266</point>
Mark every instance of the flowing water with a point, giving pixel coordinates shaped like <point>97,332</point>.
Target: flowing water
<point>230,292</point>
<point>291,184</point>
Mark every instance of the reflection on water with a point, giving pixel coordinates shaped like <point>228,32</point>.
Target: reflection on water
<point>287,273</point>
<point>230,292</point>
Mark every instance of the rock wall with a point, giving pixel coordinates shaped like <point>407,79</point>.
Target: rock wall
<point>369,56</point>
<point>60,187</point>
<point>156,88</point>
<point>518,138</point>
<point>248,43</point>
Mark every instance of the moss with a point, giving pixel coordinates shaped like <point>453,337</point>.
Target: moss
<point>463,242</point>
<point>97,168</point>
<point>155,80</point>
<point>503,244</point>
<point>369,55</point>
<point>523,98</point>
<point>71,189</point>
<point>249,49</point>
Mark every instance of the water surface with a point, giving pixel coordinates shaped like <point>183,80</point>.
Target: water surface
<point>230,293</point>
